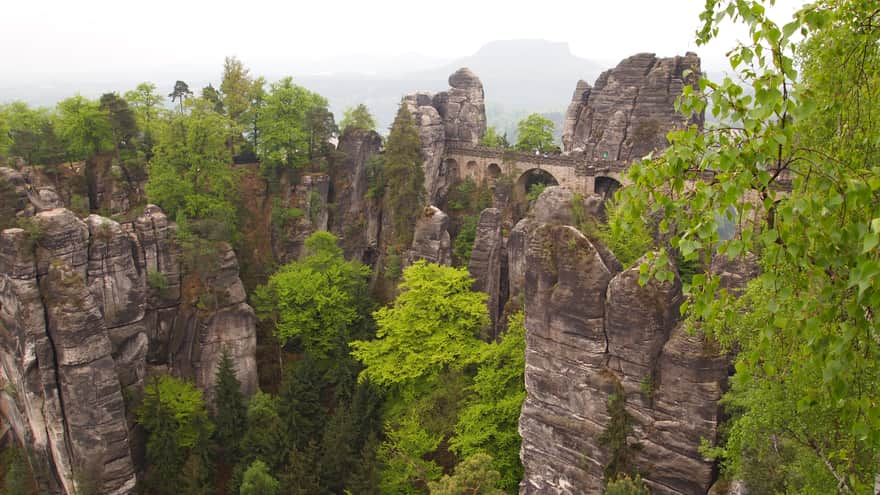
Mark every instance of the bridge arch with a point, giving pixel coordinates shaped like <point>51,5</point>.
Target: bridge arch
<point>530,178</point>
<point>494,170</point>
<point>449,167</point>
<point>606,186</point>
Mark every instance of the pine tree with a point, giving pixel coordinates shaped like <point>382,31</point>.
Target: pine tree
<point>405,192</point>
<point>229,406</point>
<point>338,452</point>
<point>300,475</point>
<point>364,480</point>
<point>300,403</point>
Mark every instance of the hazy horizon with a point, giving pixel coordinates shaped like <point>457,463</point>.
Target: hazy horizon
<point>50,42</point>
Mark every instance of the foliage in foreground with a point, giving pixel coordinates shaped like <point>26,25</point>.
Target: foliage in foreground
<point>807,371</point>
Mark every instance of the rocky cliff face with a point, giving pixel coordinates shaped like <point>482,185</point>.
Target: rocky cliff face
<point>630,109</point>
<point>355,220</point>
<point>431,241</point>
<point>86,308</point>
<point>488,264</point>
<point>592,331</point>
<point>457,115</point>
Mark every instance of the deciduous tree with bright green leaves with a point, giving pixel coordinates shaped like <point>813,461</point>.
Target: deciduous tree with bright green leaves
<point>236,89</point>
<point>5,132</point>
<point>284,138</point>
<point>433,325</point>
<point>494,140</point>
<point>473,476</point>
<point>32,134</point>
<point>316,300</point>
<point>174,415</point>
<point>147,106</point>
<point>535,133</point>
<point>258,480</point>
<point>190,174</point>
<point>808,363</point>
<point>489,420</point>
<point>84,128</point>
<point>358,117</point>
<point>404,453</point>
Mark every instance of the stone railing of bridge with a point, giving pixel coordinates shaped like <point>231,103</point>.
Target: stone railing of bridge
<point>581,178</point>
<point>531,160</point>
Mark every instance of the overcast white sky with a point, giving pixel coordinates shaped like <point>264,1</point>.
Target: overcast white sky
<point>78,37</point>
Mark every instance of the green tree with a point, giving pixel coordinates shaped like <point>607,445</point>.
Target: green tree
<point>317,300</point>
<point>494,140</point>
<point>191,175</point>
<point>365,479</point>
<point>264,437</point>
<point>32,134</point>
<point>433,325</point>
<point>5,132</point>
<point>84,128</point>
<point>798,106</point>
<point>173,414</point>
<point>257,99</point>
<point>236,88</point>
<point>299,403</point>
<point>405,455</point>
<point>473,476</point>
<point>300,476</point>
<point>122,120</point>
<point>213,98</point>
<point>258,480</point>
<point>147,106</point>
<point>179,94</point>
<point>357,117</point>
<point>321,127</point>
<point>339,451</point>
<point>230,410</point>
<point>489,420</point>
<point>535,134</point>
<point>403,175</point>
<point>614,439</point>
<point>284,137</point>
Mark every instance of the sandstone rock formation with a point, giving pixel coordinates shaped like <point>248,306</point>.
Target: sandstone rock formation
<point>355,219</point>
<point>593,331</point>
<point>488,264</point>
<point>456,116</point>
<point>431,241</point>
<point>630,109</point>
<point>87,307</point>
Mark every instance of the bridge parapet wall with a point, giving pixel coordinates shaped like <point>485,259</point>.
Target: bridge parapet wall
<point>575,171</point>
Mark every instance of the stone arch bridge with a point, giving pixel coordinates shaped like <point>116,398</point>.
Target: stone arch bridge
<point>574,172</point>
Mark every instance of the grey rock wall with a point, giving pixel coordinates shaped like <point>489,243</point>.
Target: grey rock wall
<point>593,331</point>
<point>455,116</point>
<point>629,110</point>
<point>81,325</point>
